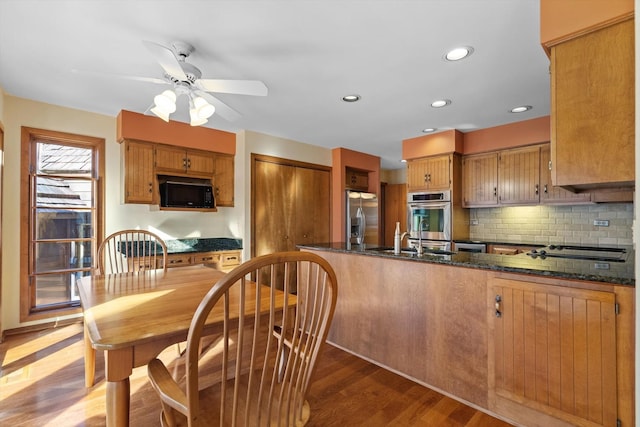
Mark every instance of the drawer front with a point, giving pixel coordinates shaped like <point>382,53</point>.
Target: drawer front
<point>206,258</point>
<point>229,259</point>
<point>178,260</point>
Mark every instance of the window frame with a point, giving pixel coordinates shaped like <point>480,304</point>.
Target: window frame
<point>29,138</point>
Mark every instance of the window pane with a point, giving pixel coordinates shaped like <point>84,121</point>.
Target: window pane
<point>52,256</point>
<point>54,159</point>
<point>63,193</point>
<point>63,224</point>
<point>57,288</point>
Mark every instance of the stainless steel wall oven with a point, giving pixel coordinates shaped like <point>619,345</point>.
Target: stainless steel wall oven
<point>429,219</point>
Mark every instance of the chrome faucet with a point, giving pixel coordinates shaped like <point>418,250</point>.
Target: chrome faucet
<point>419,248</point>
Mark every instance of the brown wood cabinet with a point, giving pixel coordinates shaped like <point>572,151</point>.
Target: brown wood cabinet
<point>180,161</point>
<point>395,210</point>
<point>291,204</point>
<point>143,161</point>
<point>519,176</point>
<point>430,173</point>
<point>593,109</point>
<point>554,349</point>
<point>560,353</point>
<point>356,180</point>
<point>550,194</point>
<point>138,170</point>
<point>480,180</point>
<point>223,260</point>
<point>223,179</point>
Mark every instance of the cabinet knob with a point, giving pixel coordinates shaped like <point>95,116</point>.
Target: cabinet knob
<point>150,187</point>
<point>495,191</point>
<point>546,190</point>
<point>537,189</point>
<point>498,301</point>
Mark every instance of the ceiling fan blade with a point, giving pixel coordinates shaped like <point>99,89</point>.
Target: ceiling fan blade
<point>167,60</point>
<point>222,109</point>
<point>239,87</point>
<point>121,76</point>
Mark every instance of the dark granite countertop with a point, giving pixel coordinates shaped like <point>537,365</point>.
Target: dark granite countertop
<point>208,244</point>
<point>620,273</point>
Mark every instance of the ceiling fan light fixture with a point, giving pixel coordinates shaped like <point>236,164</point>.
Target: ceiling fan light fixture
<point>166,101</point>
<point>203,109</point>
<point>160,113</point>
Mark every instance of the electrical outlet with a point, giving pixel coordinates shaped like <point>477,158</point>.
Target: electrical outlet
<point>601,222</point>
<point>475,222</point>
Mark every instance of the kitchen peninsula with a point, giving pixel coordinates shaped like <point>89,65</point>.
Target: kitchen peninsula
<point>541,342</point>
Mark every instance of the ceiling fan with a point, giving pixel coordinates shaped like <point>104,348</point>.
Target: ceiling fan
<point>185,79</point>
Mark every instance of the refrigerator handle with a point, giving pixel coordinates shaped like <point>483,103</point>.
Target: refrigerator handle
<point>364,225</point>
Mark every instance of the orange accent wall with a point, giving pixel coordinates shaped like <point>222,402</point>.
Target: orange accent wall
<point>563,19</point>
<point>507,136</point>
<point>428,145</point>
<point>132,125</point>
<point>343,158</point>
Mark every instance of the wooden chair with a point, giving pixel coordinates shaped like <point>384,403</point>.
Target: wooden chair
<point>127,251</point>
<point>263,364</point>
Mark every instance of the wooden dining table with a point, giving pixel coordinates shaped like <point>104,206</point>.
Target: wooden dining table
<point>132,317</point>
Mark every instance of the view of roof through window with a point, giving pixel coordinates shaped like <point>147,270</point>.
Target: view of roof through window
<point>66,164</point>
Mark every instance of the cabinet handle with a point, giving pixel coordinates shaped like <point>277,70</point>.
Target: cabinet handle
<point>184,162</point>
<point>495,191</point>
<point>425,177</point>
<point>537,189</point>
<point>150,187</point>
<point>217,191</point>
<point>189,163</point>
<point>498,301</point>
<point>546,190</point>
<point>176,261</point>
<point>206,258</point>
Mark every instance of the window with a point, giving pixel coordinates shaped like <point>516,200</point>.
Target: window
<point>61,207</point>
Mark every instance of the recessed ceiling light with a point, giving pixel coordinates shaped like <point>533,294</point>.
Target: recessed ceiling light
<point>521,109</point>
<point>351,98</point>
<point>428,130</point>
<point>458,53</point>
<point>440,103</point>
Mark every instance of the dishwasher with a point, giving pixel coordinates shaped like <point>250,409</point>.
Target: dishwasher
<point>471,247</point>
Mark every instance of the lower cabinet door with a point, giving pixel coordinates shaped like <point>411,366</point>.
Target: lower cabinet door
<point>552,349</point>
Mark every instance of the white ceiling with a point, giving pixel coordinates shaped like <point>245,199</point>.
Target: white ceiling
<point>309,53</point>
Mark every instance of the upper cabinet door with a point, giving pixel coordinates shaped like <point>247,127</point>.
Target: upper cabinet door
<point>171,159</point>
<point>519,176</point>
<point>593,109</point>
<point>223,179</point>
<point>429,173</point>
<point>480,180</point>
<point>200,162</point>
<point>138,172</point>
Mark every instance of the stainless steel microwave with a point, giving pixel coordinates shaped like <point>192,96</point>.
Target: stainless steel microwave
<point>175,194</point>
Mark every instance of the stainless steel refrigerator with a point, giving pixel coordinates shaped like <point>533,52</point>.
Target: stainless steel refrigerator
<point>362,218</point>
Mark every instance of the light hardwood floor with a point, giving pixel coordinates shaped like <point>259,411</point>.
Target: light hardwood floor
<point>42,384</point>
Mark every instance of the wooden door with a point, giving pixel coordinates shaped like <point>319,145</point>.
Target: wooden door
<point>519,176</point>
<point>138,172</point>
<point>550,194</point>
<point>554,349</point>
<point>171,159</point>
<point>223,179</point>
<point>593,108</point>
<point>395,210</point>
<point>312,195</point>
<point>274,208</point>
<point>200,162</point>
<point>480,180</point>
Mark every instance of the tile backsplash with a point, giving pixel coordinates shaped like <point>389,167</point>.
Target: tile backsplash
<point>554,224</point>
